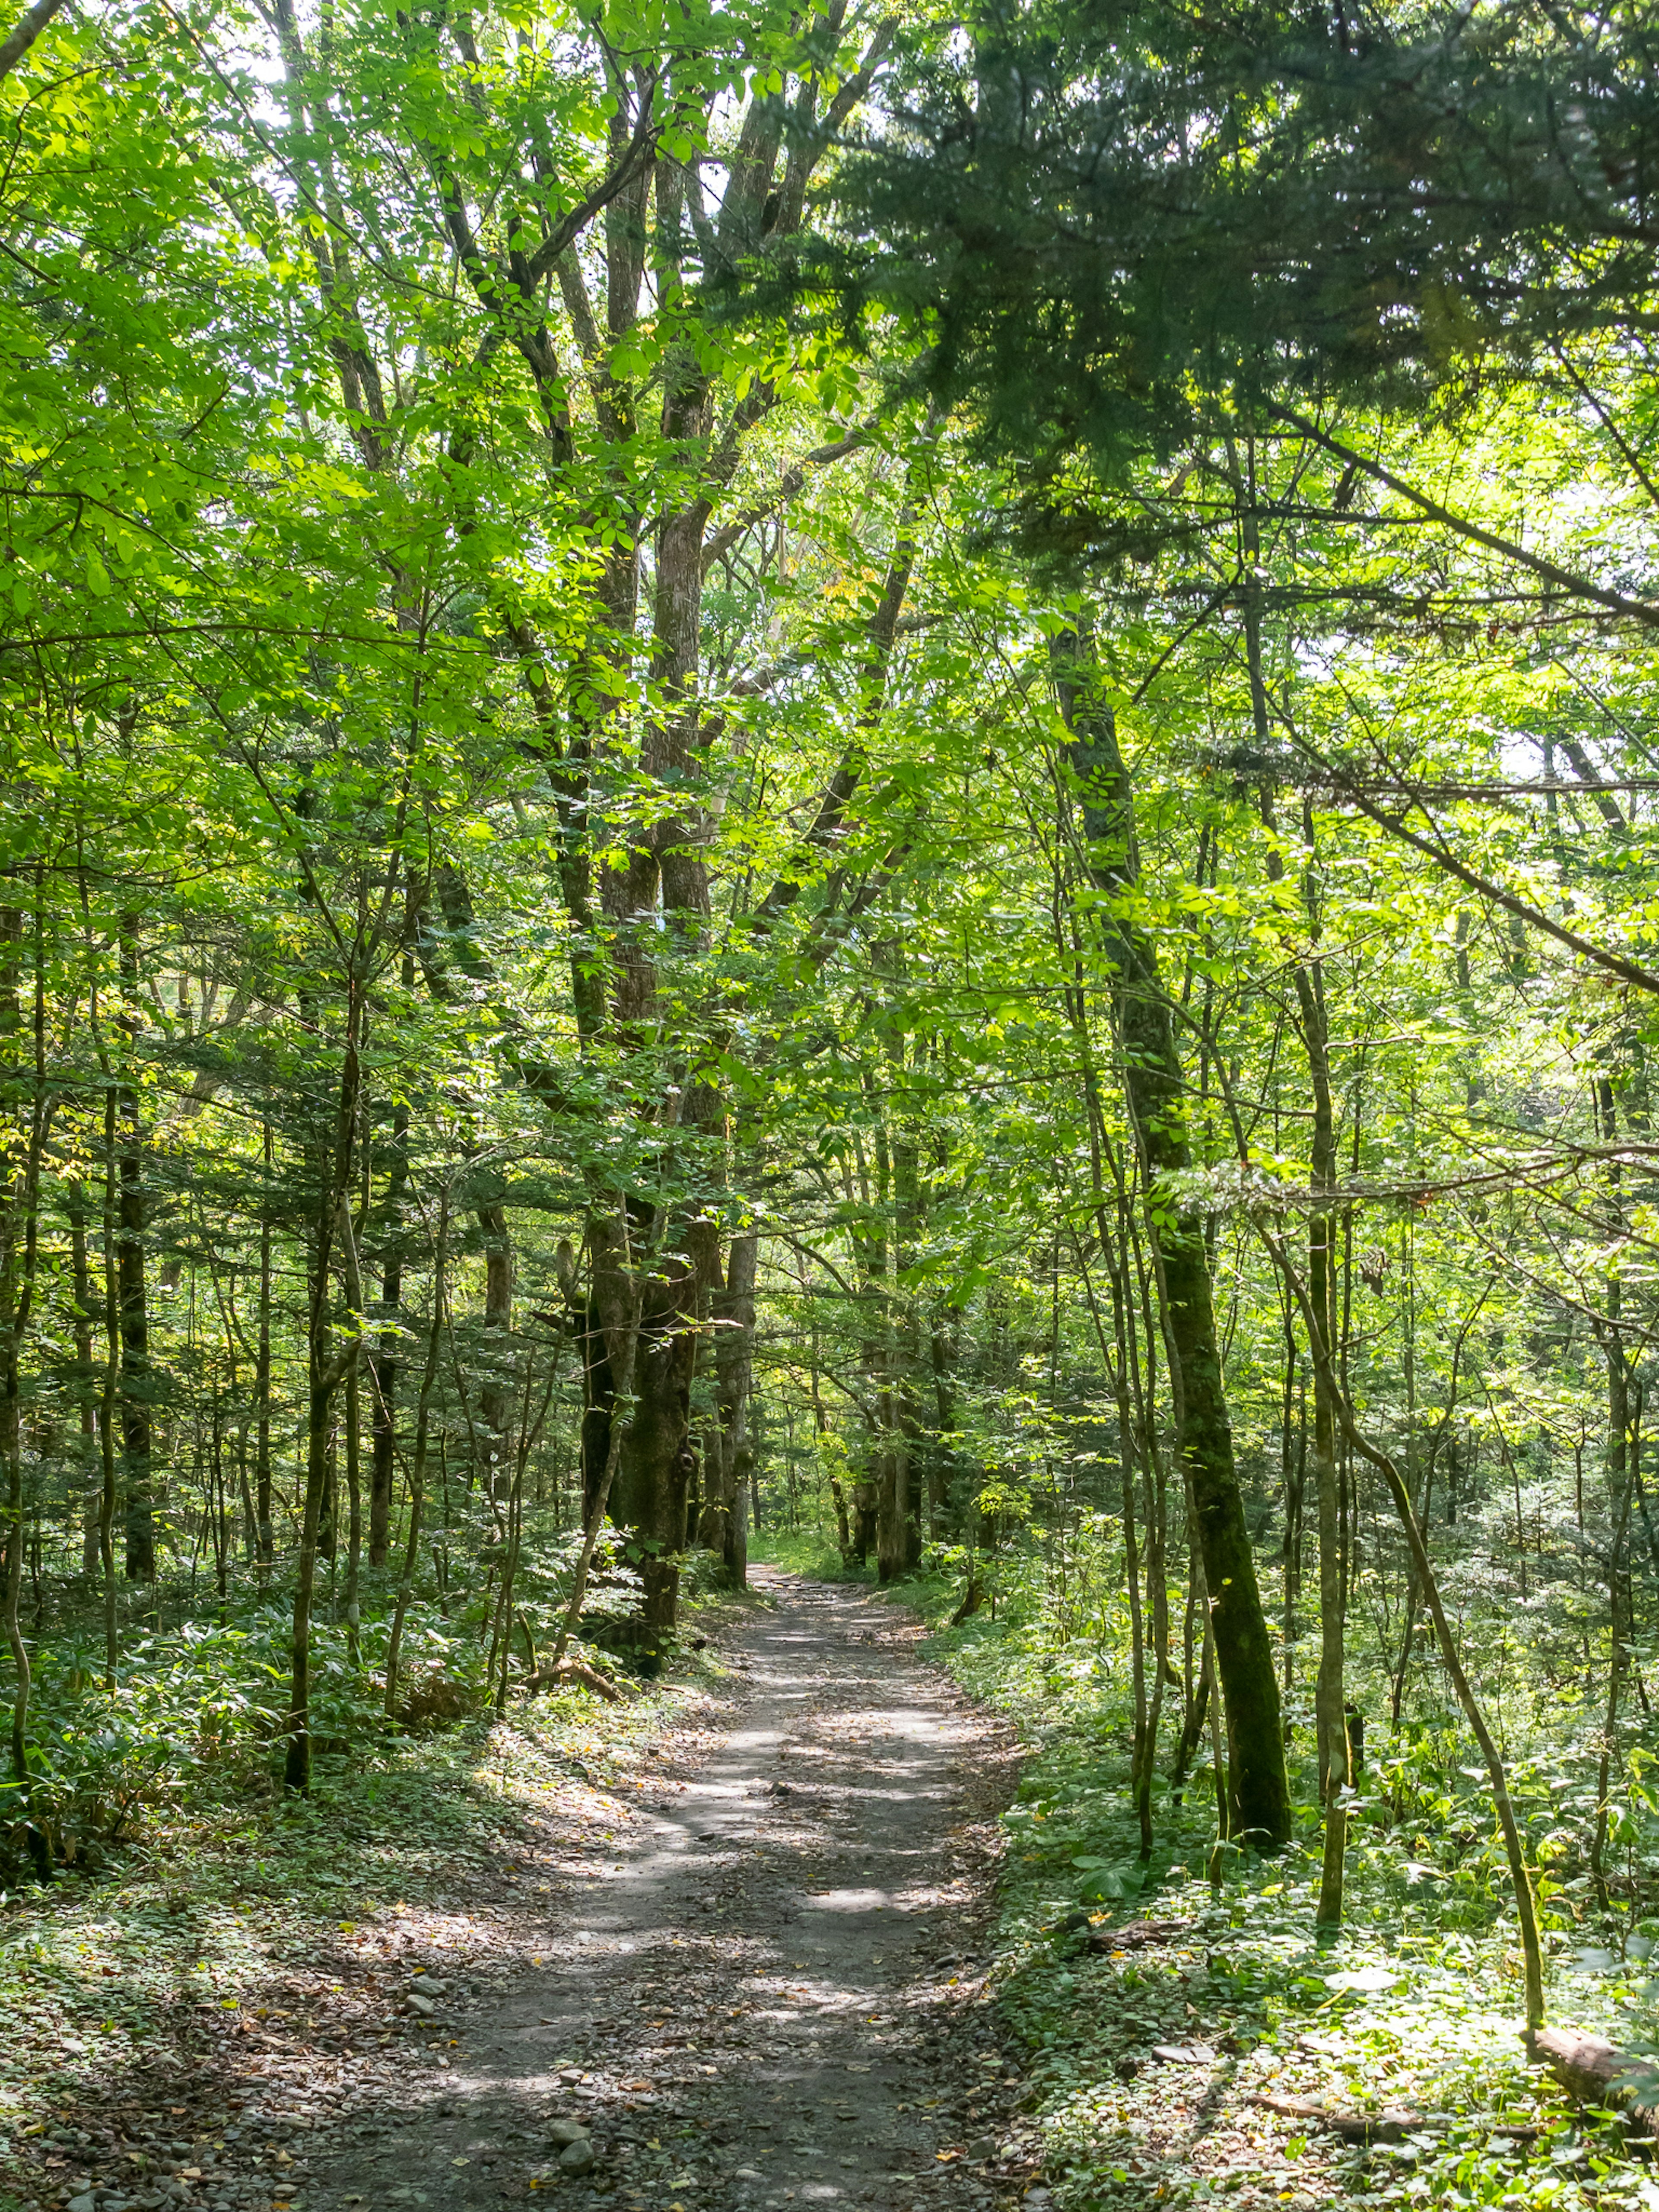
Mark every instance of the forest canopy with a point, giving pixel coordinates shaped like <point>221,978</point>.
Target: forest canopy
<point>777,771</point>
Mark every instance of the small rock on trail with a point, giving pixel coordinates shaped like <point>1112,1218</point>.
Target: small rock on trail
<point>767,1995</point>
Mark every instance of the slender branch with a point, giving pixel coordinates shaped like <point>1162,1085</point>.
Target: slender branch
<point>1628,971</point>
<point>27,31</point>
<point>1581,588</point>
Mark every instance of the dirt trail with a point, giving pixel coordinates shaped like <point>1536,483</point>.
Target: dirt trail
<point>769,1995</point>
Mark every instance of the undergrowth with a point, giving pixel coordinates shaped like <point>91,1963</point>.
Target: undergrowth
<point>1414,2008</point>
<point>211,1886</point>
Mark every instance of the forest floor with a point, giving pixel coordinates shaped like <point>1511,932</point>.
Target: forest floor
<point>831,1917</point>
<point>748,1959</point>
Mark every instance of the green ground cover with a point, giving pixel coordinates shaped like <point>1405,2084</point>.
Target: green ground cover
<point>1414,2010</point>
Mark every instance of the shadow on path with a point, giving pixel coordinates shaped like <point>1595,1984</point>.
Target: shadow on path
<point>767,1996</point>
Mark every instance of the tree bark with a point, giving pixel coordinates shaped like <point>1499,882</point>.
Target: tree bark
<point>137,1387</point>
<point>1154,1089</point>
<point>498,1393</point>
<point>383,1362</point>
<point>324,1369</point>
<point>723,1525</point>
<point>86,1394</point>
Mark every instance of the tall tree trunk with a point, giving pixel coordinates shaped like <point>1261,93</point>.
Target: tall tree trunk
<point>1154,1089</point>
<point>383,1361</point>
<point>324,1369</point>
<point>497,1392</point>
<point>725,1519</point>
<point>85,1389</point>
<point>887,1466</point>
<point>614,1311</point>
<point>107,1400</point>
<point>261,1491</point>
<point>1292,1453</point>
<point>651,1473</point>
<point>1620,1491</point>
<point>417,1470</point>
<point>23,1123</point>
<point>354,1509</point>
<point>1330,1697</point>
<point>137,1389</point>
<point>907,1340</point>
<point>1621,1469</point>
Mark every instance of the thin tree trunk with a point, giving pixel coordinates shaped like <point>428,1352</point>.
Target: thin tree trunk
<point>85,1389</point>
<point>1154,1089</point>
<point>1620,1491</point>
<point>354,1512</point>
<point>891,1469</point>
<point>325,1370</point>
<point>262,1492</point>
<point>23,1126</point>
<point>383,1361</point>
<point>497,1392</point>
<point>108,1503</point>
<point>417,1471</point>
<point>1330,1697</point>
<point>907,1339</point>
<point>136,1384</point>
<point>1525,1908</point>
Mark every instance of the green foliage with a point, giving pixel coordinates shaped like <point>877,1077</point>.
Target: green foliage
<point>1414,2010</point>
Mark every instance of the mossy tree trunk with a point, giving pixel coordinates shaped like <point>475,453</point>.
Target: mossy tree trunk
<point>1156,1094</point>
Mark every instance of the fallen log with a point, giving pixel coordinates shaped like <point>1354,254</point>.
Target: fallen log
<point>1353,2127</point>
<point>1597,2073</point>
<point>572,1670</point>
<point>1135,1935</point>
<point>1389,2126</point>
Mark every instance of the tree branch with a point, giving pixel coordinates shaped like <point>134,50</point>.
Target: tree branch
<point>27,31</point>
<point>1642,611</point>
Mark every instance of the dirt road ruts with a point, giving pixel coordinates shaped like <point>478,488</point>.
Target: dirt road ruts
<point>769,1994</point>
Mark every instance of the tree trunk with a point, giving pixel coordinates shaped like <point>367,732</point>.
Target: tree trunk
<point>262,1492</point>
<point>1620,1491</point>
<point>724,1520</point>
<point>417,1471</point>
<point>907,1342</point>
<point>86,1390</point>
<point>23,1124</point>
<point>324,1369</point>
<point>498,1393</point>
<point>1155,1090</point>
<point>354,1509</point>
<point>137,1391</point>
<point>646,1471</point>
<point>1330,1697</point>
<point>107,1407</point>
<point>383,1361</point>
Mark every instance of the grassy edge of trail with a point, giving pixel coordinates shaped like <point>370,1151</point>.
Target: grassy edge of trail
<point>1415,2009</point>
<point>237,1969</point>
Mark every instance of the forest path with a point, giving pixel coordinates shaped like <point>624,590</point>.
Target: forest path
<point>768,1994</point>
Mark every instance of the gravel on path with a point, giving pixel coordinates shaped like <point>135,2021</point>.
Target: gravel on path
<point>770,1992</point>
